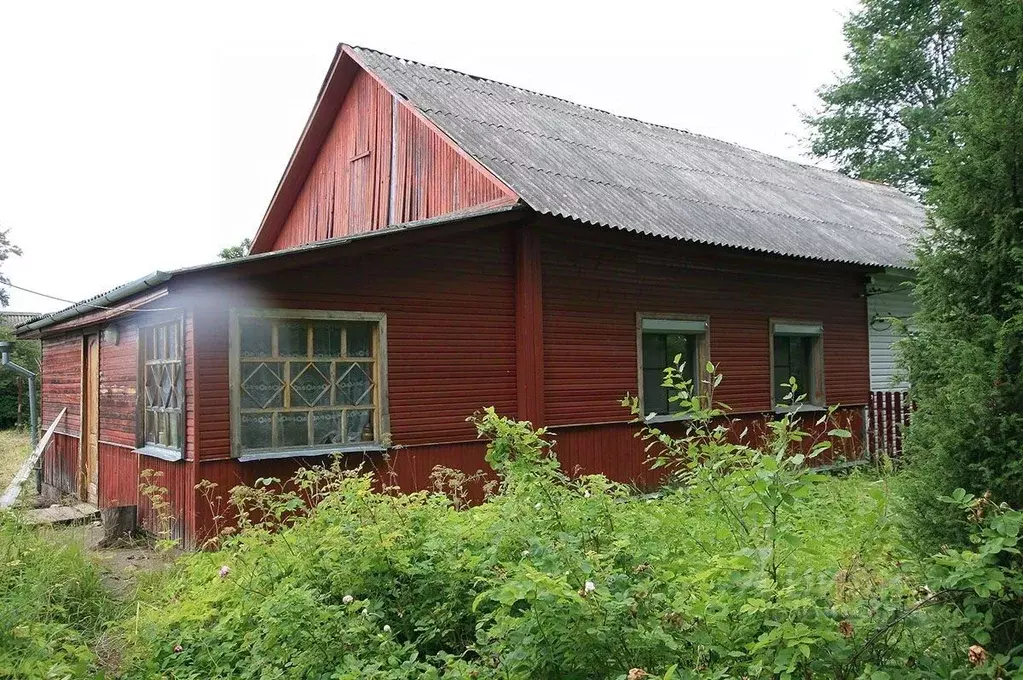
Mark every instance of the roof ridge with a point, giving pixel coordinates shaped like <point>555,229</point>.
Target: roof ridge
<point>807,167</point>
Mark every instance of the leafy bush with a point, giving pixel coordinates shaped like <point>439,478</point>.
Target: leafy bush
<point>52,605</point>
<point>753,566</point>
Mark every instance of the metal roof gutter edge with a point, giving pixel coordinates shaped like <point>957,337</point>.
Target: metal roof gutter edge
<point>116,295</point>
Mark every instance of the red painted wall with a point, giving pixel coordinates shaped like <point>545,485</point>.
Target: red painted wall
<point>119,465</point>
<point>453,311</point>
<point>595,281</point>
<point>62,382</point>
<point>450,332</point>
<point>348,190</point>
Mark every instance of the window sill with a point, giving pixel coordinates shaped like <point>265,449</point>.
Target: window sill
<point>802,408</point>
<point>668,418</point>
<point>160,452</point>
<point>308,453</point>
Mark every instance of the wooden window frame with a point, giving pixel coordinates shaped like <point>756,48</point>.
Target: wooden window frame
<point>381,412</point>
<point>702,357</point>
<point>141,445</point>
<point>816,398</point>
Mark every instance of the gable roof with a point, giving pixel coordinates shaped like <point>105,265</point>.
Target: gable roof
<point>572,161</point>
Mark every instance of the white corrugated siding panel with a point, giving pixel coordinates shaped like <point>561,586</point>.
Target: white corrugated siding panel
<point>883,334</point>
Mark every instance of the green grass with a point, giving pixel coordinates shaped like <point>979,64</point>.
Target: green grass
<point>53,605</point>
<point>14,448</point>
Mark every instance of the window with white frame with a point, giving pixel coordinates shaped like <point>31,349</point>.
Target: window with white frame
<point>797,352</point>
<point>304,381</point>
<point>162,395</point>
<point>661,340</point>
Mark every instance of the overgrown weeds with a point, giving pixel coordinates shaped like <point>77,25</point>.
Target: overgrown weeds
<point>52,605</point>
<point>751,565</point>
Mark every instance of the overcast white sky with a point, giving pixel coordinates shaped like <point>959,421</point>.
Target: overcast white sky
<point>141,136</point>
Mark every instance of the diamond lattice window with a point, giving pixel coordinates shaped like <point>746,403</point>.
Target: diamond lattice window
<point>306,383</point>
<point>163,385</point>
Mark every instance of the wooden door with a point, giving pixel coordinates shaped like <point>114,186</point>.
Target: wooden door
<point>90,420</point>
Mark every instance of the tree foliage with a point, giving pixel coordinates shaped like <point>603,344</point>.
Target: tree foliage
<point>880,120</point>
<point>14,406</point>
<point>234,252</point>
<point>6,250</point>
<point>966,354</point>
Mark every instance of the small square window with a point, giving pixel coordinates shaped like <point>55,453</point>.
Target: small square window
<point>797,353</point>
<point>661,340</point>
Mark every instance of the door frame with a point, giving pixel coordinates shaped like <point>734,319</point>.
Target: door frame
<point>89,410</point>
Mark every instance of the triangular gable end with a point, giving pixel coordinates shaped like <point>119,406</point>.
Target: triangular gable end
<point>367,159</point>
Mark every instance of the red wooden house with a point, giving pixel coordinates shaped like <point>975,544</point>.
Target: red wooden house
<point>441,242</point>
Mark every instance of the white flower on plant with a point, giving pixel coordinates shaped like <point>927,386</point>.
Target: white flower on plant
<point>348,599</point>
<point>537,506</point>
<point>224,571</point>
<point>387,629</point>
<point>525,553</point>
<point>365,612</point>
<point>586,494</point>
<point>589,586</point>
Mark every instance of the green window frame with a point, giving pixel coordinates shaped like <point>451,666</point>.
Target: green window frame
<point>797,351</point>
<point>659,339</point>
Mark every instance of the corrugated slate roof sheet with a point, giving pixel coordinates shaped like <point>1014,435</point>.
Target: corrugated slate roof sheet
<point>12,319</point>
<point>569,160</point>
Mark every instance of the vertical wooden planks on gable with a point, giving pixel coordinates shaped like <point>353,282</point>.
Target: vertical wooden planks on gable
<point>346,191</point>
<point>381,164</point>
<point>433,178</point>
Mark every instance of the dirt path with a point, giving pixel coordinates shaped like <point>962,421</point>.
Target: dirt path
<point>120,566</point>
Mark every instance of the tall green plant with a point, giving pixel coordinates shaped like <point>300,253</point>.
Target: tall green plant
<point>965,355</point>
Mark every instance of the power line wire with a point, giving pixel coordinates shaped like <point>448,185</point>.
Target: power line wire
<point>86,304</point>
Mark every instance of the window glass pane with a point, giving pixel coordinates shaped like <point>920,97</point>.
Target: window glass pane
<point>678,344</point>
<point>293,429</point>
<point>256,430</point>
<point>172,341</point>
<point>358,426</point>
<point>327,339</point>
<point>310,384</point>
<point>327,427</point>
<point>354,384</point>
<point>255,337</point>
<point>654,352</point>
<point>161,342</point>
<point>793,357</point>
<point>292,339</point>
<point>152,385</point>
<point>173,432</point>
<point>150,434</point>
<point>161,426</point>
<point>360,339</point>
<point>166,386</point>
<point>262,385</point>
<point>655,397</point>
